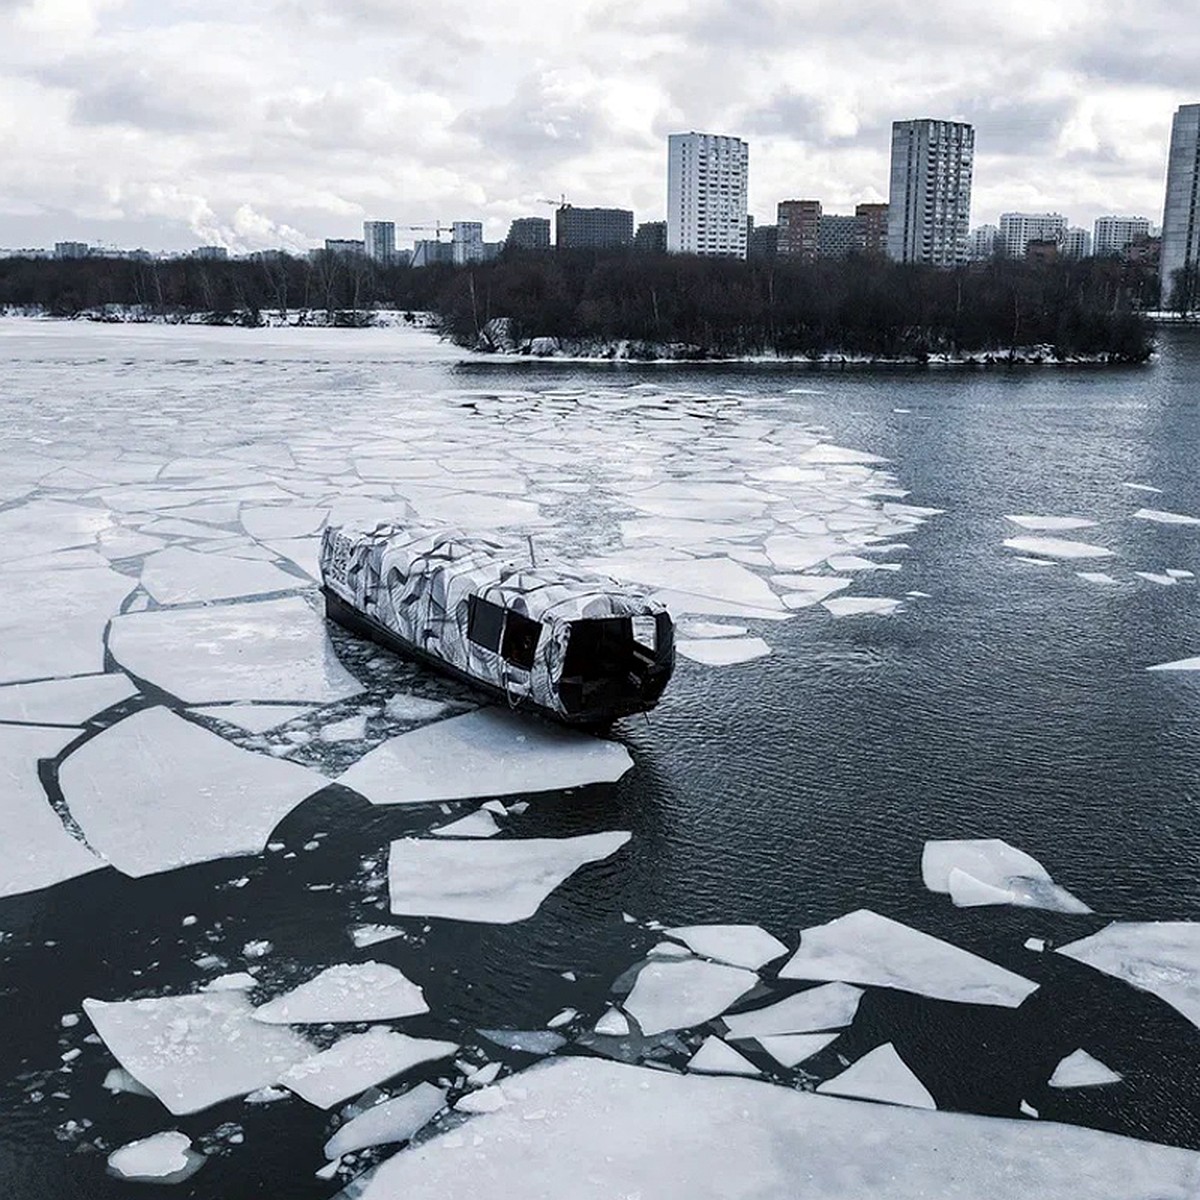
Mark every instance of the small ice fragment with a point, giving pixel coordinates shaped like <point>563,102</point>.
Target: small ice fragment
<point>486,1100</point>
<point>493,882</point>
<point>716,1058</point>
<point>866,948</point>
<point>119,1080</point>
<point>1056,547</point>
<point>257,948</point>
<point>1142,487</point>
<point>710,629</point>
<point>394,1120</point>
<point>69,1020</point>
<point>368,991</point>
<point>352,729</point>
<point>71,1055</point>
<point>830,1006</point>
<point>1153,577</point>
<point>481,824</point>
<point>791,1049</point>
<point>369,935</point>
<point>1080,1069</point>
<point>859,606</point>
<point>562,1018</point>
<point>359,1061</point>
<point>918,595</point>
<point>238,981</point>
<point>401,707</point>
<point>1035,562</point>
<point>485,1074</point>
<point>979,871</point>
<point>1182,664</point>
<point>267,1095</point>
<point>1037,945</point>
<point>188,920</point>
<point>1028,1110</point>
<point>329,1170</point>
<point>1051,524</point>
<point>521,806</point>
<point>723,652</point>
<point>613,1023</point>
<point>738,945</point>
<point>1179,573</point>
<point>1095,577</point>
<point>1165,518</point>
<point>668,950</point>
<point>678,995</point>
<point>528,1041</point>
<point>496,808</point>
<point>162,1158</point>
<point>880,1075</point>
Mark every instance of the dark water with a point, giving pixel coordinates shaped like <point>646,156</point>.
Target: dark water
<point>1013,704</point>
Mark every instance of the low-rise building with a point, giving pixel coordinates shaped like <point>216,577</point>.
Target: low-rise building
<point>799,225</point>
<point>1112,234</point>
<point>1077,243</point>
<point>1018,229</point>
<point>592,228</point>
<point>529,233</point>
<point>982,242</point>
<point>872,228</point>
<point>764,242</point>
<point>72,250</point>
<point>651,237</point>
<point>346,247</point>
<point>428,253</point>
<point>211,253</point>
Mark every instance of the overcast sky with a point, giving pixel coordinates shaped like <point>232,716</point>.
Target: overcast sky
<point>261,123</point>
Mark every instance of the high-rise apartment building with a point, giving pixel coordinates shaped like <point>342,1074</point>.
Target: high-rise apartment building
<point>799,224</point>
<point>592,228</point>
<point>651,237</point>
<point>379,241</point>
<point>431,253</point>
<point>982,242</point>
<point>872,228</point>
<point>837,236</point>
<point>929,207</point>
<point>1112,234</point>
<point>1017,230</point>
<point>1181,211</point>
<point>466,242</point>
<point>707,178</point>
<point>1077,243</point>
<point>529,233</point>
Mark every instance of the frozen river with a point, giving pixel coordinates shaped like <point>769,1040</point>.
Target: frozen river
<point>914,607</point>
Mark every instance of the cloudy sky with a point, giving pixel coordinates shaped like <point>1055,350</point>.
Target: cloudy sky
<point>262,123</point>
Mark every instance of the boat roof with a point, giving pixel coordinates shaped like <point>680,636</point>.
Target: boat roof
<point>457,565</point>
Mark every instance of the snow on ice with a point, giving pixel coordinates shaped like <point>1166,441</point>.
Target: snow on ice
<point>678,995</point>
<point>156,791</point>
<point>866,948</point>
<point>359,1061</point>
<point>830,1006</point>
<point>493,882</point>
<point>368,991</point>
<point>1162,957</point>
<point>982,871</point>
<point>738,945</point>
<point>880,1075</point>
<point>162,1158</point>
<point>741,1137</point>
<point>194,1051</point>
<point>488,752</point>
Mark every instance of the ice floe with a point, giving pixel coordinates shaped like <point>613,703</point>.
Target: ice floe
<point>861,606</point>
<point>496,882</point>
<point>678,995</point>
<point>614,1023</point>
<point>722,652</point>
<point>1180,664</point>
<point>709,629</point>
<point>351,729</point>
<point>359,1061</point>
<point>830,1006</point>
<point>394,1120</point>
<point>1165,518</point>
<point>738,945</point>
<point>63,701</point>
<point>880,1075</point>
<point>1050,547</point>
<point>741,1137</point>
<point>181,576</point>
<point>791,1049</point>
<point>981,871</point>
<point>488,752</point>
<point>156,791</point>
<point>866,948</point>
<point>371,935</point>
<point>716,1058</point>
<point>1080,1069</point>
<point>368,991</point>
<point>194,1051</point>
<point>161,1158</point>
<point>38,849</point>
<point>1051,524</point>
<point>527,1041</point>
<point>481,824</point>
<point>1162,957</point>
<point>1095,577</point>
<point>267,650</point>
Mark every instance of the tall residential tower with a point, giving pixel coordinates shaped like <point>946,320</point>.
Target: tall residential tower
<point>1181,212</point>
<point>929,209</point>
<point>379,241</point>
<point>707,176</point>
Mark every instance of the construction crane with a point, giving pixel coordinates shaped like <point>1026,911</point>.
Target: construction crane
<point>561,202</point>
<point>437,228</point>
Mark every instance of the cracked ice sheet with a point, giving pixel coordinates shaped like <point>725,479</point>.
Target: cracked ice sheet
<point>880,1075</point>
<point>37,851</point>
<point>270,650</point>
<point>359,1061</point>
<point>194,1051</point>
<point>495,883</point>
<point>830,1006</point>
<point>488,752</point>
<point>45,526</point>
<point>865,948</point>
<point>1057,547</point>
<point>680,994</point>
<point>155,791</point>
<point>367,991</point>
<point>63,701</point>
<point>603,1127</point>
<point>723,652</point>
<point>179,576</point>
<point>1162,957</point>
<point>738,945</point>
<point>982,871</point>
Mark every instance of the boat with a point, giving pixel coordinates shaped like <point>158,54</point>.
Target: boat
<point>577,647</point>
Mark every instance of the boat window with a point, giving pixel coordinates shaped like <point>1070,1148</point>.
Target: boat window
<point>645,632</point>
<point>485,623</point>
<point>520,640</point>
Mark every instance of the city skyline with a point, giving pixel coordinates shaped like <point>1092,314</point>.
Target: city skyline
<point>167,126</point>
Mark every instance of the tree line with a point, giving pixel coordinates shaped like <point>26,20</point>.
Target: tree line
<point>694,307</point>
